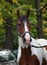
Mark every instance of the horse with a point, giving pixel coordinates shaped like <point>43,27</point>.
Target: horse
<point>28,53</point>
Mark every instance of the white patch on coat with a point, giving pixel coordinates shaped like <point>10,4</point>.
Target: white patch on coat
<point>19,54</point>
<point>42,42</point>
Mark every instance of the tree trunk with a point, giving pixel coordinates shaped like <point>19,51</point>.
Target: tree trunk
<point>9,37</point>
<point>39,19</point>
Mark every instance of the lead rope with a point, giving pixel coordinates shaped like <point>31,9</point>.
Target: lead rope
<point>41,46</point>
<point>38,46</point>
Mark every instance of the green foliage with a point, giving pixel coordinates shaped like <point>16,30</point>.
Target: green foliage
<point>9,10</point>
<point>26,2</point>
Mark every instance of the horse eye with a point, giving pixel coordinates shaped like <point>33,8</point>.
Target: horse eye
<point>19,24</point>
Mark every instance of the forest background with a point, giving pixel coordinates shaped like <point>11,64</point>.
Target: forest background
<point>8,10</point>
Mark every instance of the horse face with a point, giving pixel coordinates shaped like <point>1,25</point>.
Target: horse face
<point>23,27</point>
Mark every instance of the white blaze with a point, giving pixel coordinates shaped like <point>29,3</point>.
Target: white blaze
<point>25,25</point>
<point>27,35</point>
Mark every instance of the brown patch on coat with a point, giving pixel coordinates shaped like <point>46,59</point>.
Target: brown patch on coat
<point>45,47</point>
<point>20,26</point>
<point>27,59</point>
<point>44,62</point>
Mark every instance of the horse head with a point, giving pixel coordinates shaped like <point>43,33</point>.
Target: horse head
<point>23,27</point>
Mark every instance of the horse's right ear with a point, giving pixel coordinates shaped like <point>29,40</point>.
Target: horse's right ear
<point>18,14</point>
<point>28,13</point>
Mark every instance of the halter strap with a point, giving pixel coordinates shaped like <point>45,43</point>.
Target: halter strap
<point>22,35</point>
<point>26,32</point>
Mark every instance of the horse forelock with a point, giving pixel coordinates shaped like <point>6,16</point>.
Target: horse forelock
<point>22,18</point>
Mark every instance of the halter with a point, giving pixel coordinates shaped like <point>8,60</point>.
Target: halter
<point>22,35</point>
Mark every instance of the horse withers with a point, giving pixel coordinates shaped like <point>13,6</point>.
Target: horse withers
<point>27,54</point>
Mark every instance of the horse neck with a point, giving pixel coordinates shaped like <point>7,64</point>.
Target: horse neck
<point>20,41</point>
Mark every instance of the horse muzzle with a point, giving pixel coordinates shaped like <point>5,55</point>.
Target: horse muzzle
<point>27,38</point>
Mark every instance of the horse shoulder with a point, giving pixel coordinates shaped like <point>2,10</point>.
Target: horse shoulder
<point>43,42</point>
<point>37,52</point>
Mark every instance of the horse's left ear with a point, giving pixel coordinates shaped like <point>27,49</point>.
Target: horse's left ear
<point>18,14</point>
<point>28,13</point>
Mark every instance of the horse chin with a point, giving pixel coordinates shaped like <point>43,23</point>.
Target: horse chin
<point>27,43</point>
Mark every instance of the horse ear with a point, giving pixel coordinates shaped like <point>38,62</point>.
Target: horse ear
<point>18,13</point>
<point>28,13</point>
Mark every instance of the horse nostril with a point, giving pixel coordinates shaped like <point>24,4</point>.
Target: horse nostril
<point>30,39</point>
<point>24,39</point>
<point>27,39</point>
